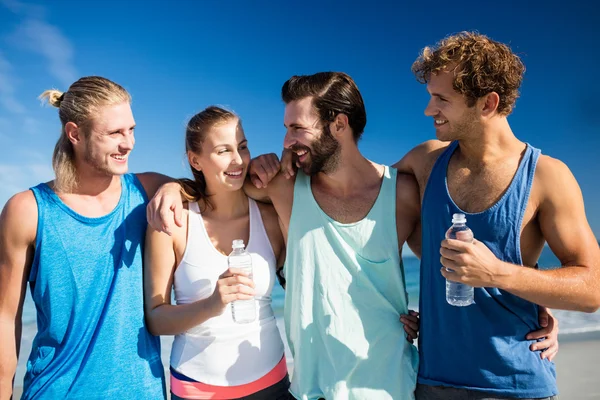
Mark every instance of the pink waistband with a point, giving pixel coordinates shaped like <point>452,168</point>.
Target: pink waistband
<point>202,391</point>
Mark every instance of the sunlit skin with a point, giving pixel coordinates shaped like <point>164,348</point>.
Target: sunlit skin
<point>316,150</point>
<point>105,150</point>
<point>224,157</point>
<point>453,119</point>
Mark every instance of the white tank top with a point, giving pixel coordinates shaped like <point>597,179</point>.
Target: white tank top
<point>220,351</point>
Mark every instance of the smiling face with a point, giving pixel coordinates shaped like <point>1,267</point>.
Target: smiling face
<point>317,150</point>
<point>452,118</point>
<point>224,157</point>
<point>110,140</point>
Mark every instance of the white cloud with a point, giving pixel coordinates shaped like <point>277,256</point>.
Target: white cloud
<point>17,178</point>
<point>47,40</point>
<point>7,88</point>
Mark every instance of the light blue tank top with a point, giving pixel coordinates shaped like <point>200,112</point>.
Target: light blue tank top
<point>86,283</point>
<point>480,347</point>
<point>344,296</point>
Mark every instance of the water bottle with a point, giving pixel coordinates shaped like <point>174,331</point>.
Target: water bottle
<point>244,311</point>
<point>459,294</point>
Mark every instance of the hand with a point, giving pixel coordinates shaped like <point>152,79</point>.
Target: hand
<point>549,333</point>
<point>289,163</point>
<point>411,325</point>
<point>263,169</point>
<point>232,285</point>
<point>165,207</point>
<point>470,263</point>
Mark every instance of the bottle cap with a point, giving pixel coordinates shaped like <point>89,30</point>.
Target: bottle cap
<point>459,218</point>
<point>238,244</point>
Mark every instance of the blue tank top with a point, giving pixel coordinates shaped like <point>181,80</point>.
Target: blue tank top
<point>480,347</point>
<point>86,283</point>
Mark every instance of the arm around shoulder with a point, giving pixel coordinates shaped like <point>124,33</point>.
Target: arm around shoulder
<point>18,228</point>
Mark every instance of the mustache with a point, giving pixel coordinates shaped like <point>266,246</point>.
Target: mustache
<point>298,147</point>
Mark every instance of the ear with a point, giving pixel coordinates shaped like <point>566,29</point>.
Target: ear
<point>339,124</point>
<point>194,161</point>
<point>73,133</point>
<point>490,104</point>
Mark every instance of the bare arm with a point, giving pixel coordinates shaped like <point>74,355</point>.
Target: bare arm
<point>18,226</point>
<point>151,181</point>
<point>162,317</point>
<point>408,213</point>
<point>561,216</point>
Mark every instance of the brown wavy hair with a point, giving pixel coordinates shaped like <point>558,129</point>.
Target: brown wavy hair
<point>480,66</point>
<point>198,127</point>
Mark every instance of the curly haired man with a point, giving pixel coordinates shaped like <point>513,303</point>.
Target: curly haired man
<point>507,190</point>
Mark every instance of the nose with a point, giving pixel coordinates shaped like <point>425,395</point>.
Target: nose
<point>430,110</point>
<point>289,139</point>
<point>237,158</point>
<point>128,142</point>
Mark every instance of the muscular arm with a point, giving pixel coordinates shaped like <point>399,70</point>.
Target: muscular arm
<point>18,226</point>
<point>561,215</point>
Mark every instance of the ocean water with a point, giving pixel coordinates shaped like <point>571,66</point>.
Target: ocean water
<point>570,321</point>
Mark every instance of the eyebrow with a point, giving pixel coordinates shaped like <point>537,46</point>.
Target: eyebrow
<point>293,125</point>
<point>227,144</point>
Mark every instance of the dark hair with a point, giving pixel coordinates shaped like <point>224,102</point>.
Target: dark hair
<point>481,66</point>
<point>195,133</point>
<point>332,93</point>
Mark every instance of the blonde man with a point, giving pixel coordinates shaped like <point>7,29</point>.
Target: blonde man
<point>77,241</point>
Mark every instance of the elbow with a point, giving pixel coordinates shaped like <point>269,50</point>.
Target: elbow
<point>595,304</point>
<point>152,326</point>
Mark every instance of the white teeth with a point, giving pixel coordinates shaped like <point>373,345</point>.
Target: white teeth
<point>440,121</point>
<point>236,173</point>
<point>301,153</point>
<point>121,158</point>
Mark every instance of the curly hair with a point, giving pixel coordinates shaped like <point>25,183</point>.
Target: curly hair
<point>480,66</point>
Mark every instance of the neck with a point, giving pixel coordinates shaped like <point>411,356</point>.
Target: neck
<point>494,141</point>
<point>227,205</point>
<point>94,183</point>
<point>352,171</point>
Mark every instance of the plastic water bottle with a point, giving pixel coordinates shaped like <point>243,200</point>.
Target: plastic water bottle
<point>244,311</point>
<point>459,294</point>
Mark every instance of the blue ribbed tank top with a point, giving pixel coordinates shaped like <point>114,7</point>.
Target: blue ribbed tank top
<point>86,283</point>
<point>482,346</point>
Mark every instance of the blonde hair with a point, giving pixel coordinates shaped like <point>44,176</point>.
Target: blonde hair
<point>197,128</point>
<point>78,105</point>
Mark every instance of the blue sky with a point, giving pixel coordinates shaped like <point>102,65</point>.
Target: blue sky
<point>178,58</point>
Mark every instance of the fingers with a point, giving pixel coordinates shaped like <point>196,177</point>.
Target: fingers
<point>287,163</point>
<point>550,352</point>
<point>543,316</point>
<point>410,321</point>
<point>177,211</point>
<point>411,335</point>
<point>539,334</point>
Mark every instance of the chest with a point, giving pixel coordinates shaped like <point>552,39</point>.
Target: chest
<point>346,208</point>
<point>477,189</point>
<point>222,234</point>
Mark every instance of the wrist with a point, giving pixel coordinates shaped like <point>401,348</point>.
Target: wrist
<point>506,274</point>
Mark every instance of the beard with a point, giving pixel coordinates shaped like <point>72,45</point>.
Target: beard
<point>324,155</point>
<point>464,127</point>
<point>100,167</point>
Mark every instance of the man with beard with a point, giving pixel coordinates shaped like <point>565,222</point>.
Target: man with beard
<point>508,191</point>
<point>77,241</point>
<point>345,286</point>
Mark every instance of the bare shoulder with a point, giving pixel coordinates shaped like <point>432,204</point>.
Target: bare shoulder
<point>420,160</point>
<point>553,177</point>
<point>20,216</point>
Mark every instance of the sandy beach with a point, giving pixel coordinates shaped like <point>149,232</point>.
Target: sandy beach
<point>576,364</point>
